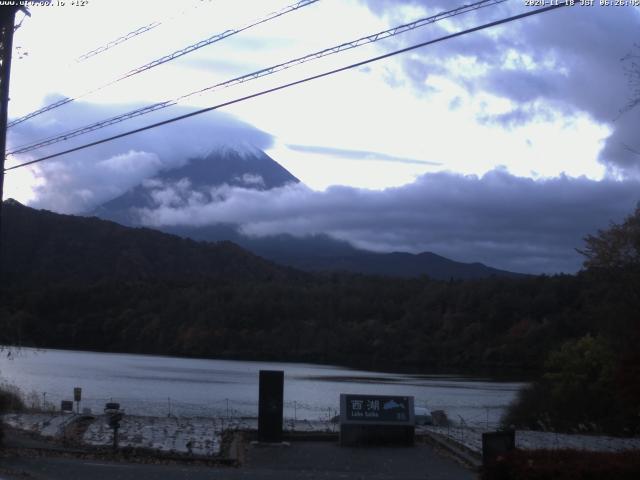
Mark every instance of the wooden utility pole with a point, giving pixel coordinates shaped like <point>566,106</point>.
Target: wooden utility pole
<point>7,22</point>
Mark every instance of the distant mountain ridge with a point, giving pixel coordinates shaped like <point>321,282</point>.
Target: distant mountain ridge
<point>321,253</point>
<point>252,168</point>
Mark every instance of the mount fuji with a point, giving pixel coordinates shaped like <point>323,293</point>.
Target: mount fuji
<point>252,168</point>
<point>240,166</point>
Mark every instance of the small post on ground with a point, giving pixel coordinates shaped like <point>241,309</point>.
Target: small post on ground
<point>114,415</point>
<point>77,396</point>
<point>115,438</point>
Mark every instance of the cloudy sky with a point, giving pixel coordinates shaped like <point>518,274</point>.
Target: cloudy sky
<point>505,146</point>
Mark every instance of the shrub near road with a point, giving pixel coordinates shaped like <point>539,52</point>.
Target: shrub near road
<point>593,383</point>
<point>10,401</point>
<point>564,465</point>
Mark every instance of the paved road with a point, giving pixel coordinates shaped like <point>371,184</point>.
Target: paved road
<point>300,460</point>
<point>329,460</point>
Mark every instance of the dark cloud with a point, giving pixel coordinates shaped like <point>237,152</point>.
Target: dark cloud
<point>390,7</point>
<point>358,154</point>
<point>505,221</point>
<point>79,181</point>
<point>569,58</point>
<point>624,144</point>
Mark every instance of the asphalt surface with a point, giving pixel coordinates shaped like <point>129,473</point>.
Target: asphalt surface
<point>299,460</point>
<point>329,460</point>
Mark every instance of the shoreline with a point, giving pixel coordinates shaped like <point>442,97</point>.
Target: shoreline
<point>494,374</point>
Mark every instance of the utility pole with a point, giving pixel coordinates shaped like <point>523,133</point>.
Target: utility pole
<point>7,22</point>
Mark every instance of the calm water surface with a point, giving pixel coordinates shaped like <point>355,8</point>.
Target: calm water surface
<point>154,385</point>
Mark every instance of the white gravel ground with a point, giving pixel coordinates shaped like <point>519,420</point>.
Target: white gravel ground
<point>202,436</point>
<point>196,435</point>
<point>46,424</point>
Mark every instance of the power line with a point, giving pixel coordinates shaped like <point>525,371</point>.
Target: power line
<point>258,74</point>
<point>297,82</point>
<point>118,41</point>
<point>92,127</point>
<point>167,58</point>
<point>134,33</point>
<point>348,45</point>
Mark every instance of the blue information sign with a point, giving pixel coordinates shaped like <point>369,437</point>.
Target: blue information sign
<point>377,408</point>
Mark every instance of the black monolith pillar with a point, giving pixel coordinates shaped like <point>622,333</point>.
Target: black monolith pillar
<point>270,406</point>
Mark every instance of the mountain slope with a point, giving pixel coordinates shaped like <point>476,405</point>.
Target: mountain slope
<point>41,245</point>
<point>250,168</point>
<point>321,253</point>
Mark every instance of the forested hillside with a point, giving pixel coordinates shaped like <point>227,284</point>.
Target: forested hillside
<point>41,247</point>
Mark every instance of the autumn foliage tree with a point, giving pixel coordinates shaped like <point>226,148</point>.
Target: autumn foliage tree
<point>616,249</point>
<point>593,383</point>
<point>613,257</point>
<point>613,265</point>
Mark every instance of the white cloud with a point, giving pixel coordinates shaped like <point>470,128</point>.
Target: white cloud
<point>80,181</point>
<point>252,180</point>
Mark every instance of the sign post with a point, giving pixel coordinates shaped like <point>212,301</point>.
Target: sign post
<point>374,419</point>
<point>77,397</point>
<point>114,417</point>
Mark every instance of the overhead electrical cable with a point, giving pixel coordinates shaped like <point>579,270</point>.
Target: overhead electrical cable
<point>138,31</point>
<point>297,82</point>
<point>134,33</point>
<point>257,74</point>
<point>118,41</point>
<point>166,58</point>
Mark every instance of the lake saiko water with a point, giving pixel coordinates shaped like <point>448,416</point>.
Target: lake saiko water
<point>157,385</point>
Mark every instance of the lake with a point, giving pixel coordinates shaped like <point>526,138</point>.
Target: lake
<point>157,385</point>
